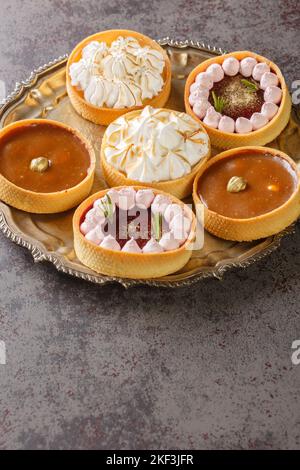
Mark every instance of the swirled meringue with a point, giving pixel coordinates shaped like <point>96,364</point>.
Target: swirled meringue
<point>131,247</point>
<point>152,246</point>
<point>155,145</point>
<point>119,76</point>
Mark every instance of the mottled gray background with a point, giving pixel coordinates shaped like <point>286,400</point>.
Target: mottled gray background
<point>202,367</point>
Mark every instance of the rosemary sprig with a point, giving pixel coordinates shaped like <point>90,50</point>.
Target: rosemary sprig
<point>107,207</point>
<point>157,225</point>
<point>250,85</point>
<point>219,102</point>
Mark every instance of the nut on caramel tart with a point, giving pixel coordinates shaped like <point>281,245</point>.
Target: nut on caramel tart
<point>104,114</point>
<point>127,159</point>
<point>248,193</point>
<point>241,97</point>
<point>45,166</point>
<point>114,260</point>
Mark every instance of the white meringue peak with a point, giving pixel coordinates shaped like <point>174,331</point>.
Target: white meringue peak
<point>168,242</point>
<point>152,246</point>
<point>171,211</point>
<point>144,198</point>
<point>121,75</point>
<point>155,145</point>
<point>160,204</point>
<point>126,198</point>
<point>110,243</point>
<point>131,246</point>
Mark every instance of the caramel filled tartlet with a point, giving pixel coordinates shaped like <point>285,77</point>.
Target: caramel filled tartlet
<point>241,98</point>
<point>133,232</point>
<point>45,166</point>
<point>248,193</point>
<point>116,71</point>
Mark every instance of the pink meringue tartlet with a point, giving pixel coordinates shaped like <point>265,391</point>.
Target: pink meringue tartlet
<point>133,232</point>
<point>241,98</point>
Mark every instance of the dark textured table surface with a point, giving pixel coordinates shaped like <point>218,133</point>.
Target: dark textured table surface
<point>103,367</point>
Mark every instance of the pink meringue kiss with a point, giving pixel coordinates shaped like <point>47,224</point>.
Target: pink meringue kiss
<point>168,242</point>
<point>259,70</point>
<point>231,66</point>
<point>160,204</point>
<point>273,94</point>
<point>152,246</point>
<point>96,235</point>
<point>243,125</point>
<point>144,198</point>
<point>86,227</point>
<point>110,243</point>
<point>180,224</point>
<point>269,110</point>
<point>247,65</point>
<point>198,94</point>
<point>268,79</point>
<point>126,198</point>
<point>131,247</point>
<point>204,79</point>
<point>171,211</point>
<point>226,124</point>
<point>216,72</point>
<point>212,118</point>
<point>95,216</point>
<point>200,108</point>
<point>258,120</point>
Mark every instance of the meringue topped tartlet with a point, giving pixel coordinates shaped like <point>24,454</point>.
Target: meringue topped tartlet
<point>113,72</point>
<point>45,166</point>
<point>248,193</point>
<point>241,98</point>
<point>133,232</point>
<point>154,147</point>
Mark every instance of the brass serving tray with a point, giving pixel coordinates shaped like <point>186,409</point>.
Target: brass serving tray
<point>50,238</point>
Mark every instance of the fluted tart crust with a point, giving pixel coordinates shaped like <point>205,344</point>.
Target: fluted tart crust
<point>254,227</point>
<point>105,115</point>
<point>134,265</point>
<point>261,136</point>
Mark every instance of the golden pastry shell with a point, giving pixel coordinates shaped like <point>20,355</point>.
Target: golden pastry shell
<point>252,228</point>
<point>130,265</point>
<point>105,115</point>
<point>179,187</point>
<point>47,203</point>
<point>227,140</point>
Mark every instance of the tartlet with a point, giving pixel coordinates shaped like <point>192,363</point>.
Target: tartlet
<point>111,240</point>
<point>149,82</point>
<point>154,147</point>
<point>244,200</point>
<point>45,166</point>
<point>254,81</point>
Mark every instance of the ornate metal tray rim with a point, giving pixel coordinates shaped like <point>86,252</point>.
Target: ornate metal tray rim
<point>39,253</point>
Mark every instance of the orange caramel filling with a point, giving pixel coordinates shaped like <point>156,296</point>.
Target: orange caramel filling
<point>67,155</point>
<point>270,182</point>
